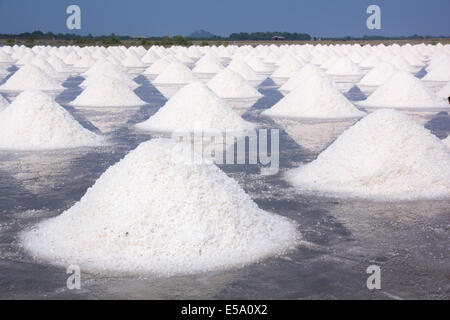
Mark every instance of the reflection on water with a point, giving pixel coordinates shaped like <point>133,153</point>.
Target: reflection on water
<point>408,240</point>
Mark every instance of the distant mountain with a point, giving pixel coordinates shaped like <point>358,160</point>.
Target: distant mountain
<point>201,34</point>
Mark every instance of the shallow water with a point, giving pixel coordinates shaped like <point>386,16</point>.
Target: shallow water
<point>408,240</point>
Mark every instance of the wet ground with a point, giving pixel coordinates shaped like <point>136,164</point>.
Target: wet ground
<point>410,241</point>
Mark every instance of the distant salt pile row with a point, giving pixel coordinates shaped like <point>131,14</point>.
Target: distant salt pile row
<point>158,212</point>
<point>314,98</point>
<point>385,156</point>
<point>195,107</point>
<point>35,121</point>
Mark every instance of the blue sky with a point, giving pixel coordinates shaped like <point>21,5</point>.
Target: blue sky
<point>170,17</point>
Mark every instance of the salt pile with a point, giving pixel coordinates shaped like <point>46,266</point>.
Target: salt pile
<point>447,141</point>
<point>107,92</point>
<point>385,156</point>
<point>175,73</point>
<point>344,67</point>
<point>157,67</point>
<point>5,58</point>
<point>157,212</point>
<point>110,70</point>
<point>132,61</point>
<point>35,121</point>
<point>287,69</point>
<point>195,107</point>
<point>301,76</point>
<point>377,76</point>
<point>444,92</point>
<point>315,98</point>
<point>438,74</point>
<point>150,57</point>
<point>30,77</point>
<point>246,72</point>
<point>209,63</point>
<point>256,64</point>
<point>402,90</point>
<point>230,84</point>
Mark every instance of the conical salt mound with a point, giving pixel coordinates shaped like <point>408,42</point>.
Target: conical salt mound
<point>159,212</point>
<point>107,92</point>
<point>402,90</point>
<point>230,84</point>
<point>175,73</point>
<point>301,76</point>
<point>315,98</point>
<point>208,64</point>
<point>3,103</point>
<point>385,156</point>
<point>157,67</point>
<point>378,75</point>
<point>438,74</point>
<point>195,107</point>
<point>35,121</point>
<point>118,75</point>
<point>30,77</point>
<point>444,92</point>
<point>344,67</point>
<point>5,58</point>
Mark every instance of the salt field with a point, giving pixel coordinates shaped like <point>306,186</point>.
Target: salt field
<point>90,174</point>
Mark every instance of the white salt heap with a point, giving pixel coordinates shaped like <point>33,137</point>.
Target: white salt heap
<point>230,84</point>
<point>438,74</point>
<point>157,67</point>
<point>195,107</point>
<point>378,75</point>
<point>317,98</point>
<point>385,156</point>
<point>158,212</point>
<point>447,141</point>
<point>444,92</point>
<point>107,92</point>
<point>301,76</point>
<point>246,72</point>
<point>5,58</point>
<point>403,90</point>
<point>209,63</point>
<point>30,77</point>
<point>344,67</point>
<point>35,121</point>
<point>288,67</point>
<point>175,73</point>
